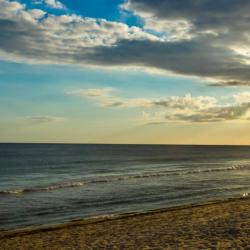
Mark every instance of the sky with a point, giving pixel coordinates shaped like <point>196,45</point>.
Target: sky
<point>125,71</point>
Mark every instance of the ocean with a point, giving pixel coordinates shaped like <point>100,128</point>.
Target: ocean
<point>54,183</point>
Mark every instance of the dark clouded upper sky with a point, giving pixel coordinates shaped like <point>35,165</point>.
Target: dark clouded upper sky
<point>137,71</point>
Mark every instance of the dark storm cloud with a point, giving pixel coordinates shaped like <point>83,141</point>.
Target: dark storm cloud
<point>183,57</point>
<point>215,43</point>
<point>202,13</point>
<point>227,20</point>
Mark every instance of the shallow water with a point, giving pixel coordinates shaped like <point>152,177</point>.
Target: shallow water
<point>53,183</point>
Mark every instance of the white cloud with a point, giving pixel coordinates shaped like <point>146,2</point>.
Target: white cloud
<point>54,4</point>
<point>243,97</point>
<point>37,13</point>
<point>104,97</point>
<point>95,92</point>
<point>169,30</point>
<point>173,108</point>
<point>39,37</point>
<point>173,30</point>
<point>188,39</point>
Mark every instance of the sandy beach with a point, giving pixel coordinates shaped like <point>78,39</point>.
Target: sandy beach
<point>216,225</point>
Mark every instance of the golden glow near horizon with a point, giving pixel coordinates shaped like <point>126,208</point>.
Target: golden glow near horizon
<point>231,133</point>
<point>107,115</point>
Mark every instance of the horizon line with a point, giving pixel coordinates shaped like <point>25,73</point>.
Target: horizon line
<point>132,144</point>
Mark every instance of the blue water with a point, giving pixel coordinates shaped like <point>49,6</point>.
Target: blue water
<point>54,183</point>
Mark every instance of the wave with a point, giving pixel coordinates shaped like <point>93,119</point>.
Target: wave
<point>112,178</point>
<point>233,167</point>
<point>40,189</point>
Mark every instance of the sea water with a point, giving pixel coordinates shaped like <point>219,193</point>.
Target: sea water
<point>55,183</point>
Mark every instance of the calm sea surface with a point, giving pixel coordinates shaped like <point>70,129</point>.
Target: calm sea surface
<point>53,183</point>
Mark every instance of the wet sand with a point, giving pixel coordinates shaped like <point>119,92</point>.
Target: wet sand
<point>216,225</point>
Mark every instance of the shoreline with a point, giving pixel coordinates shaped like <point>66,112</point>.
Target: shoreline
<point>8,233</point>
<point>212,225</point>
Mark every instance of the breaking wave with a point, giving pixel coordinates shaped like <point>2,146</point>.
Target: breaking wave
<point>40,189</point>
<point>112,178</point>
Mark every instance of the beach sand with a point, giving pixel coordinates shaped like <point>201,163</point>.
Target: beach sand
<point>218,225</point>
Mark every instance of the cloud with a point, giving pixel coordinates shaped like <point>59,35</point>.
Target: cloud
<point>95,92</point>
<point>42,119</point>
<point>185,108</point>
<point>204,15</point>
<point>103,97</point>
<point>57,38</point>
<point>54,4</point>
<point>217,32</point>
<point>194,58</point>
<point>241,98</point>
<point>215,114</point>
<point>206,39</point>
